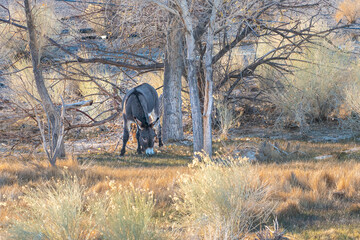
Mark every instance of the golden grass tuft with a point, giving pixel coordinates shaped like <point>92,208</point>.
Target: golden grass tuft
<point>348,9</point>
<point>288,209</point>
<point>354,209</point>
<point>298,181</point>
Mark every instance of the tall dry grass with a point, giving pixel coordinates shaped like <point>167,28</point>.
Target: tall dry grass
<point>312,186</point>
<point>55,210</point>
<point>64,209</point>
<point>127,213</point>
<point>225,117</point>
<point>218,201</point>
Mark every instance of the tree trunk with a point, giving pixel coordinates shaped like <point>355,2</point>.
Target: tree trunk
<point>172,114</point>
<point>51,112</point>
<point>208,101</point>
<point>192,81</point>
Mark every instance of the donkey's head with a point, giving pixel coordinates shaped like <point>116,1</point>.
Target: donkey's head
<point>147,135</point>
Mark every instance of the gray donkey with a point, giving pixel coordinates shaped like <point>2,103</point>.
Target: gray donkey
<point>139,104</point>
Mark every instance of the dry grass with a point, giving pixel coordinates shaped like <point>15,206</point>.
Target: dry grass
<point>311,194</point>
<point>225,117</point>
<point>54,210</point>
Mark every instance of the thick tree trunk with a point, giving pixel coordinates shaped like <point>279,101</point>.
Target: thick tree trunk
<point>51,112</point>
<point>208,101</point>
<point>172,114</point>
<point>192,81</point>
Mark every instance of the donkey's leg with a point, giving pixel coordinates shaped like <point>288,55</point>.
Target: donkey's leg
<point>138,140</point>
<point>125,136</point>
<point>159,135</point>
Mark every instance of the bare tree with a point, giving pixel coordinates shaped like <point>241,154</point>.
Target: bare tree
<point>173,72</point>
<point>196,115</point>
<point>208,101</point>
<point>55,124</point>
<point>287,27</point>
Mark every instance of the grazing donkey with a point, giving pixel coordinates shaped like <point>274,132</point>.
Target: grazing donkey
<point>139,104</point>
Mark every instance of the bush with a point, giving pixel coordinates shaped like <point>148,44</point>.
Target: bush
<point>62,210</point>
<point>316,91</point>
<point>54,211</point>
<point>224,117</point>
<point>221,202</point>
<point>126,213</point>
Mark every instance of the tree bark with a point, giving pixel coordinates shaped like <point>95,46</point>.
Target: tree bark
<point>191,77</point>
<point>208,98</point>
<point>51,112</point>
<point>172,114</point>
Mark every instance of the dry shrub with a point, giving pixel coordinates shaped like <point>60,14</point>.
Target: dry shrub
<point>126,213</point>
<point>225,117</point>
<point>315,92</point>
<point>348,9</point>
<point>55,210</point>
<point>352,99</point>
<point>63,209</point>
<point>23,83</point>
<point>221,201</point>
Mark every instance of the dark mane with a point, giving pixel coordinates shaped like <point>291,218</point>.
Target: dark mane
<point>137,93</point>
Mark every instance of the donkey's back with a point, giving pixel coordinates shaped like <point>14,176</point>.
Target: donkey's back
<point>139,101</point>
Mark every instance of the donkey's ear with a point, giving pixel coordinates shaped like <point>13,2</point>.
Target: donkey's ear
<point>154,123</point>
<point>138,123</point>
